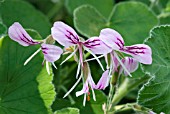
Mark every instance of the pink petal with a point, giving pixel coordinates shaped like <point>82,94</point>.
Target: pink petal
<point>131,65</point>
<point>97,46</point>
<point>17,33</point>
<point>112,38</point>
<point>104,81</point>
<point>151,112</point>
<point>51,52</point>
<point>115,62</point>
<point>84,90</point>
<point>64,34</point>
<point>140,52</point>
<point>89,82</point>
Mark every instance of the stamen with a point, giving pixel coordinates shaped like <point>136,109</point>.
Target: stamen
<point>54,65</point>
<point>47,68</point>
<point>111,68</point>
<point>122,64</point>
<point>73,86</point>
<point>95,57</point>
<point>84,101</point>
<point>106,59</point>
<point>32,56</point>
<point>43,62</point>
<point>94,96</point>
<point>78,70</point>
<point>69,56</point>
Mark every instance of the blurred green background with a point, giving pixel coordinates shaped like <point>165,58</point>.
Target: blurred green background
<point>132,18</point>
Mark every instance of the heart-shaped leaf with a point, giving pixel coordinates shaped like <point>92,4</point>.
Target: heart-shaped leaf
<point>88,20</point>
<point>156,93</point>
<point>103,6</point>
<point>132,20</point>
<point>22,12</point>
<point>23,89</point>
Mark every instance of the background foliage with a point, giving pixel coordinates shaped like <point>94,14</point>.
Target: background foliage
<point>30,90</point>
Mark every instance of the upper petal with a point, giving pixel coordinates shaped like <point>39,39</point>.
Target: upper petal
<point>140,52</point>
<point>51,52</point>
<point>112,38</point>
<point>97,46</point>
<point>131,65</point>
<point>64,34</point>
<point>17,33</point>
<point>104,80</point>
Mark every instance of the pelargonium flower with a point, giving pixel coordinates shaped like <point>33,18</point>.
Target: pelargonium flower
<point>66,36</point>
<point>88,83</point>
<point>51,53</point>
<point>139,52</point>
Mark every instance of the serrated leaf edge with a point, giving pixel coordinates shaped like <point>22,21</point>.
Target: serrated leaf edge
<point>147,72</point>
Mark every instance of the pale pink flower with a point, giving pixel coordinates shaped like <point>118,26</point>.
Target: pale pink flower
<point>51,52</point>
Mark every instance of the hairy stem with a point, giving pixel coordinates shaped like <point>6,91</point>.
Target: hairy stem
<point>126,87</point>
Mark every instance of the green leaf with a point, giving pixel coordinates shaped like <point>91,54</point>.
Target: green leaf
<point>22,12</point>
<point>167,9</point>
<point>88,21</point>
<point>132,20</point>
<point>63,104</point>
<point>143,1</point>
<point>156,93</point>
<point>103,6</point>
<point>3,30</point>
<point>68,111</point>
<point>23,89</point>
<point>40,5</point>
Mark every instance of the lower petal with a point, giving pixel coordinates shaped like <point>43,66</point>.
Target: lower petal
<point>84,90</point>
<point>51,52</point>
<point>104,80</point>
<point>130,64</point>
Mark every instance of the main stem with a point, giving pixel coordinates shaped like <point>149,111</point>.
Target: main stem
<point>126,87</point>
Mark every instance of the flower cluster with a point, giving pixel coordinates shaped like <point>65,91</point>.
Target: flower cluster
<point>108,44</point>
